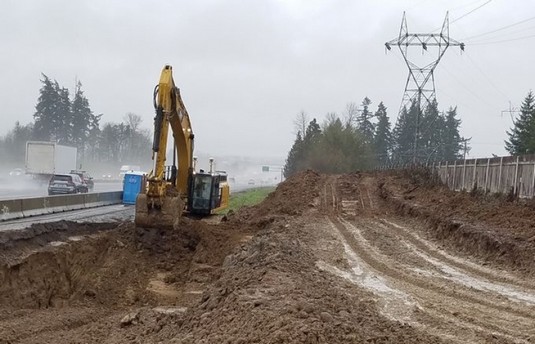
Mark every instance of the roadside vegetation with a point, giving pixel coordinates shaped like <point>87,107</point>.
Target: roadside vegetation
<point>248,198</point>
<point>361,139</point>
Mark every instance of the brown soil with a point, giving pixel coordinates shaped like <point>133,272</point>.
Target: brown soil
<point>359,258</point>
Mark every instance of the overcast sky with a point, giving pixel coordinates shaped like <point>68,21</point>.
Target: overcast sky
<point>247,68</point>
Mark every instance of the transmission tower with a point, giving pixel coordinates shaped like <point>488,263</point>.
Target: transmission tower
<point>420,85</point>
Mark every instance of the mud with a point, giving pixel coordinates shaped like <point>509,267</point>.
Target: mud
<point>358,258</point>
<point>490,227</point>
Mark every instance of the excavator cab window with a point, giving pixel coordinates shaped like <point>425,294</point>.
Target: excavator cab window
<point>201,194</point>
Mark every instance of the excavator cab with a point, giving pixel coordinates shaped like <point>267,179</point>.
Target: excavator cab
<point>208,193</point>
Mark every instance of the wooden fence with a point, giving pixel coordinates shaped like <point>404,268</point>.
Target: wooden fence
<point>512,174</point>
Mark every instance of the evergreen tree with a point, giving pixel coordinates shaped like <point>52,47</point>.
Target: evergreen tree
<point>53,117</point>
<point>522,135</point>
<point>82,119</point>
<point>383,135</point>
<point>294,157</point>
<point>46,113</point>
<point>403,135</point>
<point>64,132</point>
<point>312,133</point>
<point>432,130</point>
<point>299,155</point>
<point>365,125</point>
<point>93,142</point>
<point>452,142</point>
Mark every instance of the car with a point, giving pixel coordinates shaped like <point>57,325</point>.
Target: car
<point>66,184</point>
<point>17,172</point>
<point>86,178</point>
<point>128,168</point>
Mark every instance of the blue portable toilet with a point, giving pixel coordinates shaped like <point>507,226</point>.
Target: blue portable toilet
<point>132,183</point>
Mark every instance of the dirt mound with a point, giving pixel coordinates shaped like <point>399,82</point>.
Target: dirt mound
<point>293,197</point>
<point>490,227</point>
<point>271,292</point>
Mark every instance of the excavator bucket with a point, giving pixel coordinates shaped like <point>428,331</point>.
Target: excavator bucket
<point>166,215</point>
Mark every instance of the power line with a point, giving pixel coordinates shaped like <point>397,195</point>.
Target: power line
<point>483,101</point>
<point>467,13</point>
<point>487,77</point>
<point>465,5</point>
<point>500,29</point>
<point>505,35</point>
<point>504,41</point>
<point>470,12</point>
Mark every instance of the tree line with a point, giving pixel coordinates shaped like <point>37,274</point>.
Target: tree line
<point>68,120</point>
<point>362,139</point>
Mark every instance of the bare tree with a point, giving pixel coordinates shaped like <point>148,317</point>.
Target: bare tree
<point>300,123</point>
<point>351,113</point>
<point>133,121</point>
<point>330,118</point>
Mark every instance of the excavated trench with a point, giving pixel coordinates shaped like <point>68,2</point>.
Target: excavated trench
<point>115,265</point>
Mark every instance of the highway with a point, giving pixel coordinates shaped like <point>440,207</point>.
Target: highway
<point>13,188</point>
<point>117,212</point>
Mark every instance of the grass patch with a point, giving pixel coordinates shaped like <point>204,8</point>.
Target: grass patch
<point>247,198</point>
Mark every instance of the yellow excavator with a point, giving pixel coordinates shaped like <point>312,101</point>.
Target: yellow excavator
<point>169,191</point>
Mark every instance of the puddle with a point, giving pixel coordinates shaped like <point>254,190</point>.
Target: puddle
<point>455,275</point>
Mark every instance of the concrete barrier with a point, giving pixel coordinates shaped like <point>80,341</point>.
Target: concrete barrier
<point>56,204</point>
<point>108,198</point>
<point>91,200</point>
<point>74,202</point>
<point>26,207</point>
<point>10,209</point>
<point>35,206</point>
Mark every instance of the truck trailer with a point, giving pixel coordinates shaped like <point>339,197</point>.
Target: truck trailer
<point>44,159</point>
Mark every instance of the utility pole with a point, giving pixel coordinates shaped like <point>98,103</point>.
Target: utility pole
<point>420,85</point>
<point>465,149</point>
<point>512,110</point>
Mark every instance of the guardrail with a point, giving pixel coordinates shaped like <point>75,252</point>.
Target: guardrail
<point>26,207</point>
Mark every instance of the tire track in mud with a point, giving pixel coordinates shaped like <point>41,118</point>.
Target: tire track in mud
<point>419,244</point>
<point>455,301</point>
<point>460,301</point>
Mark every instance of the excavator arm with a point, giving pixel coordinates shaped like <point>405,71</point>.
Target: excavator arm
<point>164,197</point>
<point>170,112</point>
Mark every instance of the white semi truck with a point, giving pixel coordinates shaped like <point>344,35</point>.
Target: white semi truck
<point>44,159</point>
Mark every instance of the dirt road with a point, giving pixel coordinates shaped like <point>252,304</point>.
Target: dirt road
<point>360,258</point>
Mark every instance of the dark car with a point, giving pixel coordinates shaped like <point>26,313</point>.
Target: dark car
<point>86,178</point>
<point>66,184</point>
